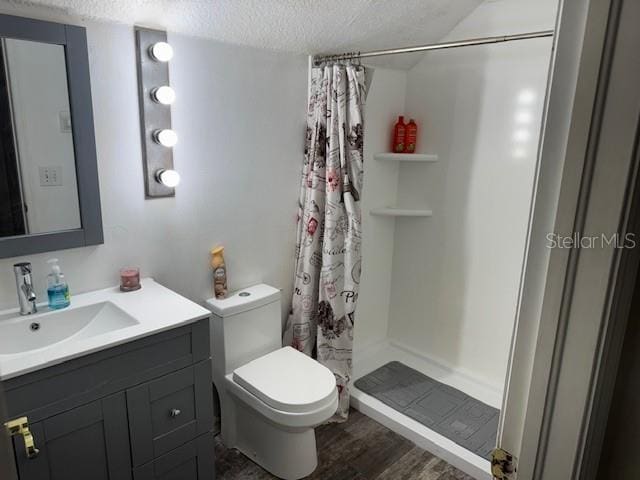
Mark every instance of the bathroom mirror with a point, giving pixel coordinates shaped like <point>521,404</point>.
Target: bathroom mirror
<point>49,195</point>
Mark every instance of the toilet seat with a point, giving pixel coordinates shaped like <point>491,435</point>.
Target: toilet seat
<point>288,380</point>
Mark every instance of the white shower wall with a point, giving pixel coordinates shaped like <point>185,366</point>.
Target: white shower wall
<point>453,278</point>
<point>386,97</point>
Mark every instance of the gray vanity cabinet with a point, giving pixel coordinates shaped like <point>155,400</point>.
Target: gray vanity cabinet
<point>139,411</point>
<point>191,461</point>
<point>88,442</point>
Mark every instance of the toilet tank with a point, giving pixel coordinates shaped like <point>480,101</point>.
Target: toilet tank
<point>244,326</point>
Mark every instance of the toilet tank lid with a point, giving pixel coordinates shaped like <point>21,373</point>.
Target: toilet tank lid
<point>243,300</point>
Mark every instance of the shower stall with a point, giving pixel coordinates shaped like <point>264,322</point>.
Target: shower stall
<point>445,229</point>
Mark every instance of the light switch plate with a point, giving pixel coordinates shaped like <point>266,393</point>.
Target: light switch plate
<point>50,176</point>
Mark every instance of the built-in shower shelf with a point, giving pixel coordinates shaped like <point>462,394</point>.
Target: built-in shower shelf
<point>405,157</point>
<point>400,212</point>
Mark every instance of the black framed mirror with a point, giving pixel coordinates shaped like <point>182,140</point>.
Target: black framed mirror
<point>49,190</point>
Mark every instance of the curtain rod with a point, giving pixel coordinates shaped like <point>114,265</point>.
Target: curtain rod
<point>434,46</point>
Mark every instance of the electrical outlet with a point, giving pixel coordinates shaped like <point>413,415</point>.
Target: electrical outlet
<point>50,176</point>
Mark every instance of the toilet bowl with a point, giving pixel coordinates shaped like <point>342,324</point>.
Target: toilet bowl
<point>271,398</point>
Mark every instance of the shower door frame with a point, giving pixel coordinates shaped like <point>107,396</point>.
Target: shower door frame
<point>572,297</point>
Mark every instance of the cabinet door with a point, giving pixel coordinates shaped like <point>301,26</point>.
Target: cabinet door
<point>191,461</point>
<point>169,412</point>
<point>88,442</point>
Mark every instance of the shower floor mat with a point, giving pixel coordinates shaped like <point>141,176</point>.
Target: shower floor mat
<point>444,409</point>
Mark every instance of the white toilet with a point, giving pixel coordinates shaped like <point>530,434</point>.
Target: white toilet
<point>271,398</point>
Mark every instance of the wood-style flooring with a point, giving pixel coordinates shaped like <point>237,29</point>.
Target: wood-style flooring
<point>359,449</point>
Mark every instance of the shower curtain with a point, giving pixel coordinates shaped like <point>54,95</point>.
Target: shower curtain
<point>327,273</point>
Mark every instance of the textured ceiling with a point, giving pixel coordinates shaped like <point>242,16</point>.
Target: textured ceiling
<point>300,26</point>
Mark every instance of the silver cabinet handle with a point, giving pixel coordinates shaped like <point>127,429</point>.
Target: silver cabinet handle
<point>174,412</point>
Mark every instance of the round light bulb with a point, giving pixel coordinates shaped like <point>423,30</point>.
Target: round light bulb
<point>167,177</point>
<point>166,137</point>
<point>161,51</point>
<point>164,95</point>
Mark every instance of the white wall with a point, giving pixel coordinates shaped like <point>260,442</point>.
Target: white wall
<point>240,116</point>
<point>385,101</point>
<point>456,275</point>
<point>38,79</point>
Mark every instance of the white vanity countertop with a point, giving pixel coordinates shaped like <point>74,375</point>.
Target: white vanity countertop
<point>155,309</point>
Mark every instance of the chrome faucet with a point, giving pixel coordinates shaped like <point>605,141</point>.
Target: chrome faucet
<point>24,285</point>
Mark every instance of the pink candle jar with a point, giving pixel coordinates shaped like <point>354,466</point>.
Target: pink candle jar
<point>129,279</point>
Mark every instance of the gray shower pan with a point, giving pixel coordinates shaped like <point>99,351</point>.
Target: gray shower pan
<point>445,410</point>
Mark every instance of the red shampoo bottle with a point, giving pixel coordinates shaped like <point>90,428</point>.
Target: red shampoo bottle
<point>399,134</point>
<point>411,137</point>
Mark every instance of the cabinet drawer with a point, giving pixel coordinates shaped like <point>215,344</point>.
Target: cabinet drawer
<point>191,461</point>
<point>170,411</point>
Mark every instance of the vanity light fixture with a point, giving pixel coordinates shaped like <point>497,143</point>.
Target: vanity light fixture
<point>155,97</point>
<point>161,51</point>
<point>165,137</point>
<point>167,177</point>
<point>164,95</point>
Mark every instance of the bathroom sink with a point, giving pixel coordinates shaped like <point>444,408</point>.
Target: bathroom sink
<point>95,321</point>
<point>20,334</point>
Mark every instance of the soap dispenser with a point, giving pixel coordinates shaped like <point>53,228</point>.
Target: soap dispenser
<point>57,288</point>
